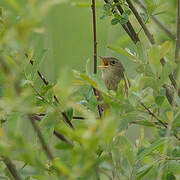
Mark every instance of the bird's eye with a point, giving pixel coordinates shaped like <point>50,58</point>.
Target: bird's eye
<point>113,62</point>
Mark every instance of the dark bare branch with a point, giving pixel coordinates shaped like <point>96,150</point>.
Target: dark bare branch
<point>41,139</point>
<point>56,133</point>
<point>12,168</point>
<point>45,81</point>
<point>94,35</point>
<point>127,27</point>
<point>96,93</point>
<point>138,17</point>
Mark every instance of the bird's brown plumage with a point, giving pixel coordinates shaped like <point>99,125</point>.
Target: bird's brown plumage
<point>112,72</point>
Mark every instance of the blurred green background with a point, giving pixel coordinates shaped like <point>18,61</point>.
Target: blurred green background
<point>68,36</point>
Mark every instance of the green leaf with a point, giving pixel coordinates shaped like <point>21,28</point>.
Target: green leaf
<point>126,12</point>
<point>145,168</point>
<point>103,16</point>
<point>142,52</point>
<point>176,152</point>
<point>107,7</point>
<point>1,12</point>
<point>145,123</point>
<point>89,94</point>
<point>144,17</point>
<point>1,92</point>
<point>63,146</point>
<point>127,149</point>
<point>170,176</point>
<point>37,62</point>
<point>165,48</point>
<point>126,167</point>
<point>57,163</point>
<point>150,149</point>
<point>122,52</point>
<point>115,21</point>
<point>125,16</point>
<point>89,80</point>
<point>174,167</point>
<point>70,113</point>
<point>123,20</point>
<point>167,69</point>
<point>148,82</point>
<point>145,69</point>
<point>159,100</point>
<point>155,56</point>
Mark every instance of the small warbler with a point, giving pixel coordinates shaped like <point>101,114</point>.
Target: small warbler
<point>112,73</point>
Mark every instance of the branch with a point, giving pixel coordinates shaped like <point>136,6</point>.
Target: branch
<point>151,39</point>
<point>96,93</point>
<point>12,168</point>
<point>138,17</point>
<point>157,21</point>
<point>127,27</point>
<point>78,117</point>
<point>42,141</point>
<point>153,115</point>
<point>94,35</point>
<point>68,121</point>
<point>161,122</point>
<point>56,133</point>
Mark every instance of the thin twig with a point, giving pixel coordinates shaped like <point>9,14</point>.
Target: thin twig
<point>96,93</point>
<point>157,21</point>
<point>45,81</point>
<point>56,133</point>
<point>138,17</point>
<point>12,168</point>
<point>153,115</point>
<point>78,117</point>
<point>40,136</point>
<point>161,122</point>
<point>62,137</point>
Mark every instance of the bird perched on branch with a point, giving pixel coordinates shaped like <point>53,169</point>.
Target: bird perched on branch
<point>112,73</point>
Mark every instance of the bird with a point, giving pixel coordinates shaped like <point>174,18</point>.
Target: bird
<point>113,72</point>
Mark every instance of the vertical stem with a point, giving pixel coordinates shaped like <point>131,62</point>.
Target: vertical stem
<point>94,34</point>
<point>96,93</point>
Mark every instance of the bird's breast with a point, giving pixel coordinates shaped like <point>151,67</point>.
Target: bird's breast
<point>111,81</point>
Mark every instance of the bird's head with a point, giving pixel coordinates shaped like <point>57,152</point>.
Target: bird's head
<point>111,65</point>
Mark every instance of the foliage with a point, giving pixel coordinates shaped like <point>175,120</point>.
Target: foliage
<point>70,141</point>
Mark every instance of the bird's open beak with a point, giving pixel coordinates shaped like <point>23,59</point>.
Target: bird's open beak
<point>105,62</point>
